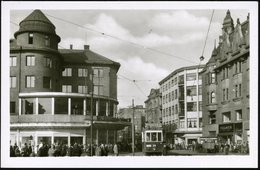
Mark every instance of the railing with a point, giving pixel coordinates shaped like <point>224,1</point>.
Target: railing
<point>48,118</point>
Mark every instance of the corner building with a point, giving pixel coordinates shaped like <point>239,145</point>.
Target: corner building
<point>181,106</point>
<point>51,89</point>
<point>153,113</point>
<point>226,109</point>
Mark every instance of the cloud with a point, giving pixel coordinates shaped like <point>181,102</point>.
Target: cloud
<point>182,26</point>
<point>147,76</point>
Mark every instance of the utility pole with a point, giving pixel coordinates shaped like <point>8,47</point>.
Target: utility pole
<point>91,112</point>
<point>133,130</point>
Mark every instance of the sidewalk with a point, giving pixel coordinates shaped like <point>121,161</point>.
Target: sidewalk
<point>190,152</point>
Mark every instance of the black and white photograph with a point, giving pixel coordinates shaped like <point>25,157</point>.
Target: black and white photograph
<point>109,84</point>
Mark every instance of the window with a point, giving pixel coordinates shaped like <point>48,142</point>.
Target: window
<point>12,107</point>
<point>212,78</point>
<point>200,90</point>
<point>13,61</point>
<point>173,111</point>
<point>98,72</point>
<point>237,90</point>
<point>82,72</point>
<point>226,117</point>
<point>47,62</point>
<point>30,38</point>
<point>200,106</point>
<point>192,122</point>
<point>225,94</point>
<point>67,72</point>
<point>30,82</point>
<point>181,79</point>
<point>191,91</point>
<point>238,67</point>
<point>66,88</point>
<point>176,109</point>
<point>238,114</point>
<point>169,97</point>
<point>13,82</point>
<point>212,97</point>
<point>166,98</point>
<point>191,76</point>
<point>47,40</point>
<point>175,80</point>
<point>172,95</point>
<point>182,123</point>
<point>172,82</point>
<point>225,73</point>
<point>191,106</point>
<point>82,89</point>
<point>47,82</point>
<point>30,60</point>
<point>176,94</point>
<point>212,117</point>
<point>98,90</point>
<point>200,122</point>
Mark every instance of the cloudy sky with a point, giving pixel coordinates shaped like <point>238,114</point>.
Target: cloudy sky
<point>167,40</point>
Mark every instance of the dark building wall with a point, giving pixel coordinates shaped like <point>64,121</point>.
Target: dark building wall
<point>232,49</point>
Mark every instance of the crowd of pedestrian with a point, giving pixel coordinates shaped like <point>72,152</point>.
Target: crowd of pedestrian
<point>62,150</point>
<point>219,147</point>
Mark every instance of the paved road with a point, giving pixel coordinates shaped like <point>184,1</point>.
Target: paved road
<point>177,153</point>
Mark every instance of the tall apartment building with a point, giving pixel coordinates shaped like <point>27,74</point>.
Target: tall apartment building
<point>50,89</point>
<point>153,112</point>
<point>226,85</point>
<point>181,105</point>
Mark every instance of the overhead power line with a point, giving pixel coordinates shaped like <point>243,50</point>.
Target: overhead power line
<point>123,40</point>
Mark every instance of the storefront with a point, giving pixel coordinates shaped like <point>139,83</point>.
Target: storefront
<point>231,133</point>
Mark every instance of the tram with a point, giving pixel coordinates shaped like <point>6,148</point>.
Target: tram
<point>152,140</point>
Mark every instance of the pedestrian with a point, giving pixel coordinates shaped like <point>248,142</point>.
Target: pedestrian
<point>98,151</point>
<point>17,151</point>
<point>29,149</point>
<point>51,150</point>
<point>12,151</point>
<point>115,149</point>
<point>25,150</point>
<point>226,148</point>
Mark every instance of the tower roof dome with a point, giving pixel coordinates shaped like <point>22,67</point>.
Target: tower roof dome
<point>36,22</point>
<point>228,19</point>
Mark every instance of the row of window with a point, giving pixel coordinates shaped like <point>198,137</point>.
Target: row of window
<point>83,72</point>
<point>30,83</point>
<point>98,89</point>
<point>171,83</point>
<point>46,39</point>
<point>191,107</point>
<point>190,91</point>
<point>226,116</point>
<point>191,123</point>
<point>30,61</point>
<point>237,68</point>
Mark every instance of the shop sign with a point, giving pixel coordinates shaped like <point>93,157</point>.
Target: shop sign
<point>225,128</point>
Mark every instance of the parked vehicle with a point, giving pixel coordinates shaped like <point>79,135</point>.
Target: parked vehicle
<point>209,144</point>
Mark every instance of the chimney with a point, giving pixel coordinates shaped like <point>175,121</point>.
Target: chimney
<point>86,47</point>
<point>71,46</point>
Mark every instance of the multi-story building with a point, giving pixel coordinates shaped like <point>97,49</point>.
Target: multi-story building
<point>153,113</point>
<point>181,105</point>
<point>226,85</point>
<point>139,123</point>
<point>50,89</point>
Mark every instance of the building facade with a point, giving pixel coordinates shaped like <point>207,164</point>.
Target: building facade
<point>51,89</point>
<point>153,112</point>
<point>226,85</point>
<point>139,123</point>
<point>181,105</point>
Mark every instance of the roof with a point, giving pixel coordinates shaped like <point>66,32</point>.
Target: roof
<point>179,70</point>
<point>37,15</point>
<point>36,22</point>
<point>85,56</point>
